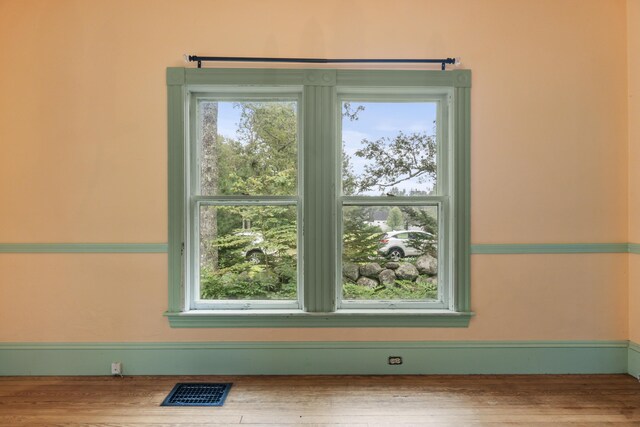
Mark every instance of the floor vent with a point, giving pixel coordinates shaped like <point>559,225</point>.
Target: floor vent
<point>197,394</point>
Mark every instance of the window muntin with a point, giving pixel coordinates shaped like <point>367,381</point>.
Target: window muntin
<point>243,200</point>
<point>409,131</point>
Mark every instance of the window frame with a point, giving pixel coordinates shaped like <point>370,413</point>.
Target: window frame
<point>318,256</point>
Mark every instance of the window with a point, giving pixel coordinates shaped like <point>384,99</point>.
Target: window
<point>394,167</point>
<point>318,198</point>
<point>242,199</point>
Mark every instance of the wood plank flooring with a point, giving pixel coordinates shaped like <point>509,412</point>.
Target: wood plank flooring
<point>513,400</point>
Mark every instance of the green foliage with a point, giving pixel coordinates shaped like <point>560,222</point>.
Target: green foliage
<point>263,161</point>
<point>360,240</point>
<point>268,132</point>
<point>349,180</point>
<point>404,289</point>
<point>395,219</point>
<point>227,223</point>
<point>254,282</point>
<point>274,234</point>
<point>427,222</point>
<point>349,112</point>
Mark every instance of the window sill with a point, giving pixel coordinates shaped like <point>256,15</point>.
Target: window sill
<point>338,319</point>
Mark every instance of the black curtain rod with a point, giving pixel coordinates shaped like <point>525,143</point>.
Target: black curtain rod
<point>201,59</point>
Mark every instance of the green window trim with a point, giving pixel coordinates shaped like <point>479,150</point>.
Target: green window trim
<point>320,244</point>
<point>377,318</point>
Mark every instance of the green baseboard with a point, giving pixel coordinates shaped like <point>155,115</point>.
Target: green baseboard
<point>317,358</point>
<point>634,360</point>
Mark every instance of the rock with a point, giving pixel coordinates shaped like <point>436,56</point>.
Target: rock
<point>367,283</point>
<point>426,280</point>
<point>407,271</point>
<point>427,264</point>
<point>388,278</point>
<point>392,265</point>
<point>351,271</point>
<point>370,269</point>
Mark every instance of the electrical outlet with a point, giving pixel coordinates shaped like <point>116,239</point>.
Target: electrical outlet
<point>116,368</point>
<point>395,360</point>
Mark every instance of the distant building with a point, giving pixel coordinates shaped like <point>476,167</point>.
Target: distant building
<point>380,220</point>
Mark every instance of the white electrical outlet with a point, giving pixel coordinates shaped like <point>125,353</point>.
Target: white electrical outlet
<point>116,368</point>
<point>395,360</point>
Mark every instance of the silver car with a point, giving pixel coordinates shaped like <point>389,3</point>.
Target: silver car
<point>395,244</point>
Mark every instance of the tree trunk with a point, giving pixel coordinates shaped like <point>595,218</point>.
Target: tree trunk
<point>208,182</point>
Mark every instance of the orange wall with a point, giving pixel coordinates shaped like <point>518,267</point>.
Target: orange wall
<point>633,48</point>
<point>83,152</point>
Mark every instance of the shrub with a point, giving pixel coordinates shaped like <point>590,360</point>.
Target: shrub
<point>404,289</point>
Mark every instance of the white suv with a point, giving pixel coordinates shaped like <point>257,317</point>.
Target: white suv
<point>254,252</point>
<point>395,244</point>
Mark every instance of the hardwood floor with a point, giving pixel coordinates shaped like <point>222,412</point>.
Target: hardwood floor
<point>576,400</point>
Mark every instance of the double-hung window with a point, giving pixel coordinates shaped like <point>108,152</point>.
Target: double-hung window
<point>318,198</point>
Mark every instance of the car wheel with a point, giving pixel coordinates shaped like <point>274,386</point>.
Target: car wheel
<point>395,254</point>
<point>255,257</point>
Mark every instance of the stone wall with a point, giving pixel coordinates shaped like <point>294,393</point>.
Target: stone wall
<point>372,274</point>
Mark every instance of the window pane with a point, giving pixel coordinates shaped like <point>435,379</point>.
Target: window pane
<point>390,252</point>
<point>389,147</point>
<point>248,147</point>
<point>248,252</point>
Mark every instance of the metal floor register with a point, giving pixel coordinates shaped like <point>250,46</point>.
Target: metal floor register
<point>197,394</point>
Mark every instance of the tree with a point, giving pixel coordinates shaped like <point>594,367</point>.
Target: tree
<point>262,160</point>
<point>268,133</point>
<point>349,180</point>
<point>427,222</point>
<point>350,113</point>
<point>360,239</point>
<point>398,159</point>
<point>392,161</point>
<point>395,220</point>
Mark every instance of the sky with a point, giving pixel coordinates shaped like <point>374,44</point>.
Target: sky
<point>228,119</point>
<point>378,120</point>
